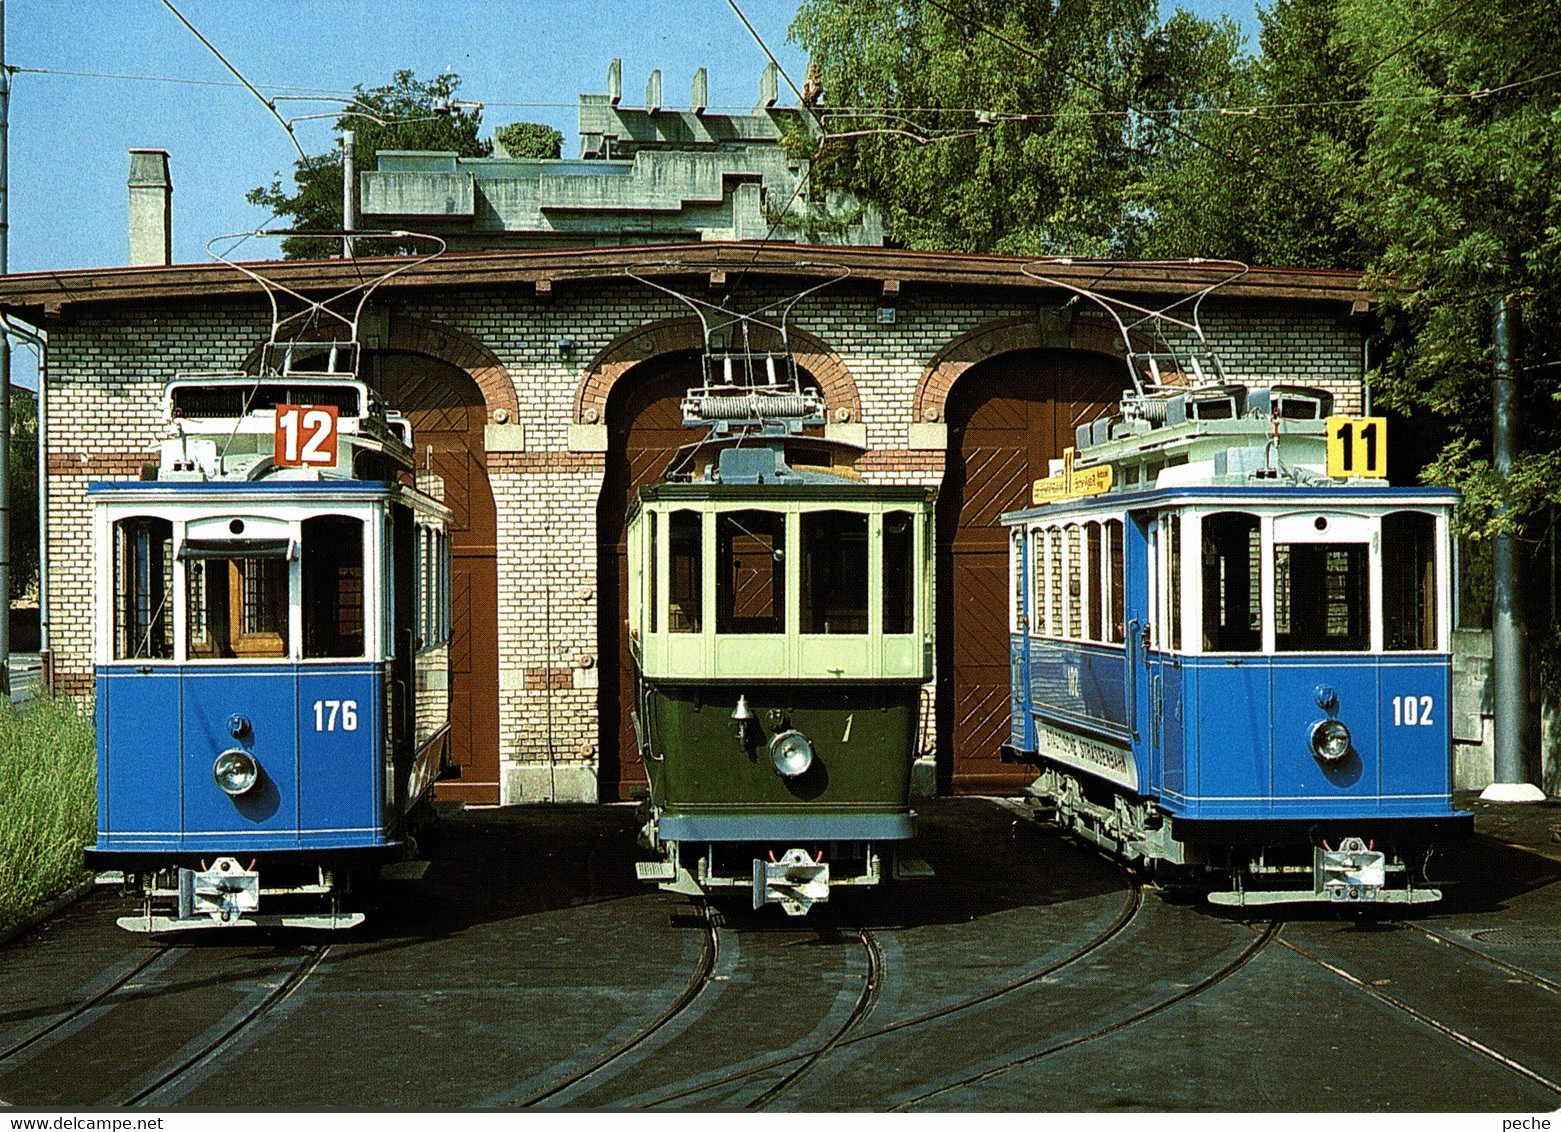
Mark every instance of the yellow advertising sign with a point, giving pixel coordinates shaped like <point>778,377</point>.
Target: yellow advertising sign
<point>1358,446</point>
<point>1071,483</point>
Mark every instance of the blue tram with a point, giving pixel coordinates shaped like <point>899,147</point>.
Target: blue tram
<point>272,664</point>
<point>1229,663</point>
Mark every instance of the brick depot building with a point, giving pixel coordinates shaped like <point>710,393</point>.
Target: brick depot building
<point>544,385</point>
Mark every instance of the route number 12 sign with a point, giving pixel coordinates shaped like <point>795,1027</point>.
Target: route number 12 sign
<point>305,436</point>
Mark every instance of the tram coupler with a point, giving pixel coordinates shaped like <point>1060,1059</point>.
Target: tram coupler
<point>1351,873</point>
<point>796,882</point>
<point>223,892</point>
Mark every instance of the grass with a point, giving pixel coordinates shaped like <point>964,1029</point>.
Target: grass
<point>48,801</point>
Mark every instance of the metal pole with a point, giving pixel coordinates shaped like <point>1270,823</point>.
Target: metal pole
<point>1508,669</point>
<point>348,184</point>
<point>5,378</point>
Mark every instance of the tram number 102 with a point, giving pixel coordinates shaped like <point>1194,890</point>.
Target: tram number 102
<point>328,713</point>
<point>1411,711</point>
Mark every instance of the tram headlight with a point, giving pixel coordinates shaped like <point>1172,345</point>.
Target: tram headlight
<point>791,753</point>
<point>1330,740</point>
<point>235,772</point>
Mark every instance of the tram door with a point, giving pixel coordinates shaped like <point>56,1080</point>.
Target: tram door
<point>1008,417</point>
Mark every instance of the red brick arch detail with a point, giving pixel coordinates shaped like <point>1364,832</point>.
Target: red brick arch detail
<point>1004,336</point>
<point>414,336</point>
<point>669,335</point>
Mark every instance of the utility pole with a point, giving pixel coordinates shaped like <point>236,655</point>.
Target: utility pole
<point>1509,671</point>
<point>349,173</point>
<point>5,376</point>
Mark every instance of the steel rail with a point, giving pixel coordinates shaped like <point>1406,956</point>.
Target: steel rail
<point>1467,1041</point>
<point>872,984</point>
<point>82,1007</point>
<point>697,985</point>
<point>1130,910</point>
<point>1267,936</point>
<point>1523,973</point>
<point>280,994</point>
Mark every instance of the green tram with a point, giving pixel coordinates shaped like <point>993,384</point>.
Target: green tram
<point>780,623</point>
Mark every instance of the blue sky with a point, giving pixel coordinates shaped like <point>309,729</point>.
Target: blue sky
<point>69,134</point>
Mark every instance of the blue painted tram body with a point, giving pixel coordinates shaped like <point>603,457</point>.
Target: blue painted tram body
<point>272,668</point>
<point>1231,664</point>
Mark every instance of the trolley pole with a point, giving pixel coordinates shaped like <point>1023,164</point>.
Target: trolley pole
<point>1508,668</point>
<point>5,377</point>
<point>349,173</point>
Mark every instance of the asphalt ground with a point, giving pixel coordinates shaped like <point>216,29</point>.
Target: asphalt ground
<point>528,968</point>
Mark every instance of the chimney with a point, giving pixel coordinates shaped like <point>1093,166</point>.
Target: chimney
<point>151,193</point>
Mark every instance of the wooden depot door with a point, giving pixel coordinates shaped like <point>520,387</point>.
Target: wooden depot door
<point>644,428</point>
<point>1007,418</point>
<point>448,416</point>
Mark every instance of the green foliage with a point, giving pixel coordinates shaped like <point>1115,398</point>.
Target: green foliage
<point>48,801</point>
<point>1050,163</point>
<point>1264,169</point>
<point>408,113</point>
<point>24,491</point>
<point>529,139</point>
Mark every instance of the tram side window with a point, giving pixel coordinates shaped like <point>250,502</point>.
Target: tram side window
<point>1075,593</point>
<point>685,583</point>
<point>1038,576</point>
<point>237,607</point>
<point>1016,577</point>
<point>834,572</point>
<point>899,572</point>
<point>1232,601</point>
<point>1321,601</point>
<point>1054,574</point>
<point>1096,627</point>
<point>750,580</point>
<point>1173,522</point>
<point>333,586</point>
<point>143,585</point>
<point>649,566</point>
<point>1408,581</point>
<point>1116,612</point>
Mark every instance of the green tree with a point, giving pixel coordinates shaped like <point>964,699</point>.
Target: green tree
<point>1025,133</point>
<point>1267,164</point>
<point>408,113</point>
<point>24,491</point>
<point>529,139</point>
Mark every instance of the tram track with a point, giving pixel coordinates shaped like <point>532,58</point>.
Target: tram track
<point>83,1007</point>
<point>699,983</point>
<point>1245,956</point>
<point>1452,1033</point>
<point>229,1028</point>
<point>845,1039</point>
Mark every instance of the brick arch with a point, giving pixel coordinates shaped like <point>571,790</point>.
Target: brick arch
<point>672,334</point>
<point>414,336</point>
<point>1050,331</point>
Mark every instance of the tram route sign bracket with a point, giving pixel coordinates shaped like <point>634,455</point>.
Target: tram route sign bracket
<point>1358,447</point>
<point>306,436</point>
<point>1071,482</point>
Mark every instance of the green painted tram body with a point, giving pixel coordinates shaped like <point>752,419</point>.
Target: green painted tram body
<point>761,611</point>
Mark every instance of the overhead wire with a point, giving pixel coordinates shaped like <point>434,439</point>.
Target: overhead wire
<point>269,105</point>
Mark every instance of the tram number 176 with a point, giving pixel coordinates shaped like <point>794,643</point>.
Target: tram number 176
<point>327,713</point>
<point>1411,711</point>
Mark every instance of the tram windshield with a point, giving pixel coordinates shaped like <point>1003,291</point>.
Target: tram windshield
<point>236,606</point>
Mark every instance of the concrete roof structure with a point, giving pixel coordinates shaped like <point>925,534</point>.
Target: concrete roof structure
<point>645,175</point>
